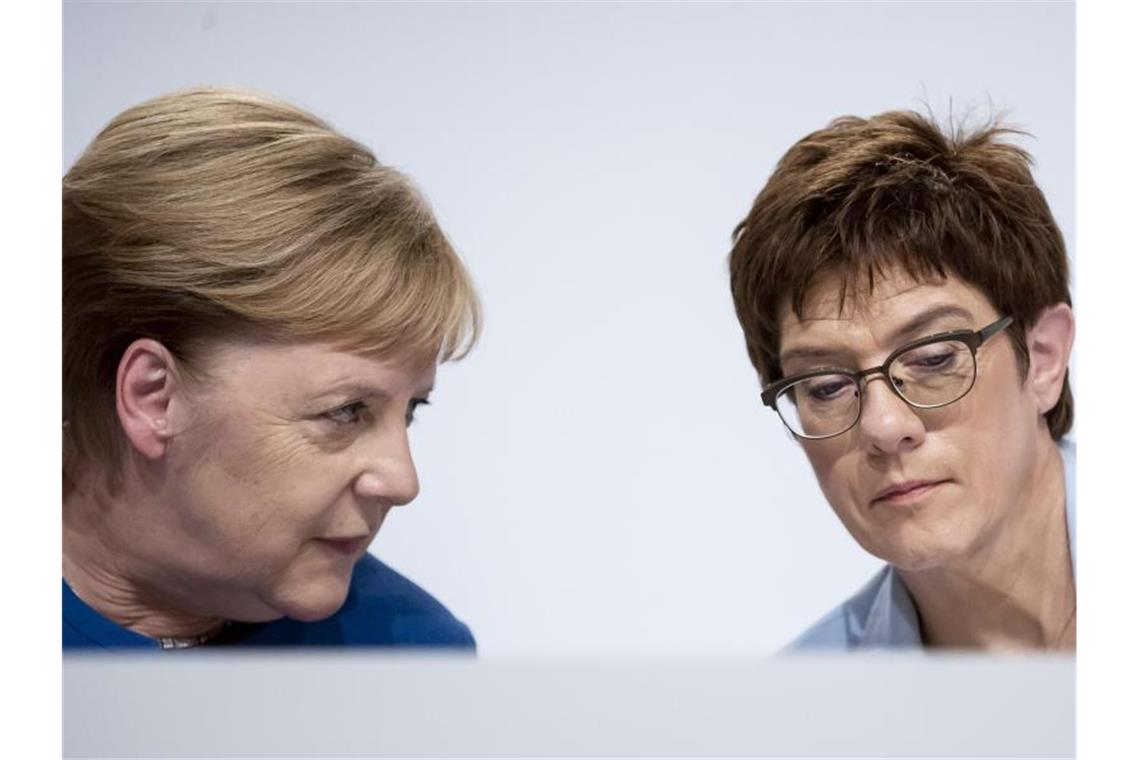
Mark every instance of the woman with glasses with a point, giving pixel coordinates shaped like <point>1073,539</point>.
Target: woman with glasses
<point>904,298</point>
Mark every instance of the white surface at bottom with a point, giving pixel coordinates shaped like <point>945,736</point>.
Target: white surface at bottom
<point>351,704</point>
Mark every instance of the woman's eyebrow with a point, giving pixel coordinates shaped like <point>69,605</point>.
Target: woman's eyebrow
<point>356,389</point>
<point>913,327</point>
<point>921,321</point>
<point>807,352</point>
<point>351,388</point>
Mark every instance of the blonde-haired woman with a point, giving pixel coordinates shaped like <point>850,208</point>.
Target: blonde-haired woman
<point>253,308</point>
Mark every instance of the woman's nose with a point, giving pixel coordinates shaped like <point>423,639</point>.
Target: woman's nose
<point>389,474</point>
<point>887,423</point>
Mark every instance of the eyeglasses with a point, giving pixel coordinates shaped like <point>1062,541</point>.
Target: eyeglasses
<point>929,373</point>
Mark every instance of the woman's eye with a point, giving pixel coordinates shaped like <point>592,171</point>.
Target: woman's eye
<point>349,414</point>
<point>932,361</point>
<point>828,390</point>
<point>947,356</point>
<point>416,403</point>
<point>935,361</point>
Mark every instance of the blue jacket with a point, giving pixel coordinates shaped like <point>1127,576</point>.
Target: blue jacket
<point>383,609</point>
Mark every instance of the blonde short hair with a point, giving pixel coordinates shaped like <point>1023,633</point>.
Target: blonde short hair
<point>212,212</point>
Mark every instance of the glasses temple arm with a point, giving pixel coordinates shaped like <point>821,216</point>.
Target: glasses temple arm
<point>989,331</point>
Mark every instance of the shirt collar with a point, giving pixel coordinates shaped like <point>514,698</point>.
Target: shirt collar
<point>892,620</point>
<point>1069,457</point>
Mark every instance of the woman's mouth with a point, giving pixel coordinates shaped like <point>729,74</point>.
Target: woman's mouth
<point>907,492</point>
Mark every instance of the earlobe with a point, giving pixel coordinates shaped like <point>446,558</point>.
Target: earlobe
<point>1050,342</point>
<point>144,387</point>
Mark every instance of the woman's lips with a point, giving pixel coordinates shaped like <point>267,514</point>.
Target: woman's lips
<point>907,493</point>
<point>347,546</point>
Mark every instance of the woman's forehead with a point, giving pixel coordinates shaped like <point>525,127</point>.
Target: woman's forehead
<point>834,297</point>
<point>316,364</point>
<point>833,309</point>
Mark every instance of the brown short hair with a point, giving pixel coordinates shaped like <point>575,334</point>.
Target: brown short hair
<point>863,195</point>
<point>212,212</point>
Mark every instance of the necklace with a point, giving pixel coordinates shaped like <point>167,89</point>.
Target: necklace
<point>165,642</point>
<point>186,642</point>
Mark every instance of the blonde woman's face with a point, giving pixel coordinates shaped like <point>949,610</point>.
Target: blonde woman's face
<point>289,459</point>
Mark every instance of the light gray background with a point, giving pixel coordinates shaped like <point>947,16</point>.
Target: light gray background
<point>599,476</point>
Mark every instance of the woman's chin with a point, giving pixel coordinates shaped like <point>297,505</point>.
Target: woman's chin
<point>312,601</point>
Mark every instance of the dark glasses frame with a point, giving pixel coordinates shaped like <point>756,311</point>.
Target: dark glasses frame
<point>972,338</point>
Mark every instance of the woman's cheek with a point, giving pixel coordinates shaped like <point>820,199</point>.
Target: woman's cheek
<point>281,452</point>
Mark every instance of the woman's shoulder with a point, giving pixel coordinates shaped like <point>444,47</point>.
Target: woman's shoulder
<point>378,589</point>
<point>880,615</point>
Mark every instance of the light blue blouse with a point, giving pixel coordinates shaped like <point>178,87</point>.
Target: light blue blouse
<point>881,615</point>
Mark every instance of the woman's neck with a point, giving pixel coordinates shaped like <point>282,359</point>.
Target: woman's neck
<point>1017,591</point>
<point>100,573</point>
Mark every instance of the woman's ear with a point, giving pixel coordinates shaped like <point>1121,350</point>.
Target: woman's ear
<point>1050,341</point>
<point>144,387</point>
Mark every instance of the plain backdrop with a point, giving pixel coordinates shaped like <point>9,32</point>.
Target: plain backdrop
<point>599,477</point>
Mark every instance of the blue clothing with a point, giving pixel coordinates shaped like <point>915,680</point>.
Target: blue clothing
<point>383,608</point>
<point>881,615</point>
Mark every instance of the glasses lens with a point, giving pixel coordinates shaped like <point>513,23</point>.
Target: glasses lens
<point>934,374</point>
<point>819,406</point>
